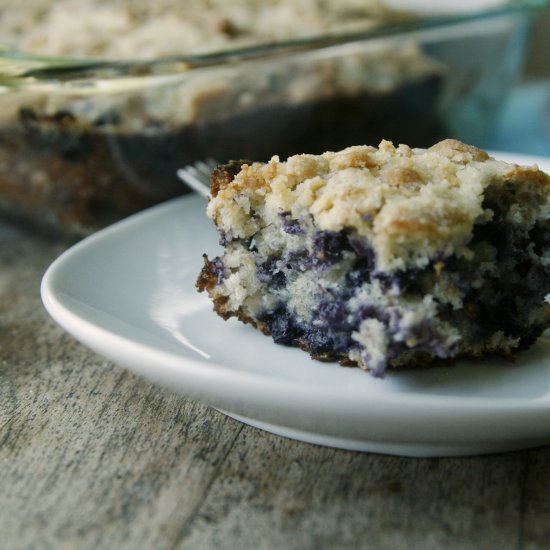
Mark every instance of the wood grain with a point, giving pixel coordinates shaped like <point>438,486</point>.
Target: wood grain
<point>94,457</point>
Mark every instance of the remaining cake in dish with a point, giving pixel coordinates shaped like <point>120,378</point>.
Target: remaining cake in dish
<point>82,145</point>
<point>384,257</point>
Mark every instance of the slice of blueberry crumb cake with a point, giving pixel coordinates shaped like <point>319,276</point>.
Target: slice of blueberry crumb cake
<point>384,257</point>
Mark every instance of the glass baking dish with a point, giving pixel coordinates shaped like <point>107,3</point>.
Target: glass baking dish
<point>85,142</point>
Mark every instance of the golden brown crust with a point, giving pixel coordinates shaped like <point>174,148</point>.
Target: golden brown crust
<point>402,176</point>
<point>207,280</point>
<point>397,197</point>
<point>224,174</point>
<point>519,173</point>
<point>458,151</point>
<point>355,158</point>
<point>207,277</point>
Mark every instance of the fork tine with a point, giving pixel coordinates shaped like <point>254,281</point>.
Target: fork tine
<point>212,163</point>
<point>203,168</point>
<point>197,175</point>
<point>195,180</point>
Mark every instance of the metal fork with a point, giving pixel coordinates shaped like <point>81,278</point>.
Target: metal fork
<point>197,176</point>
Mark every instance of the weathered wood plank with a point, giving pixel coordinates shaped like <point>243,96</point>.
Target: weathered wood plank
<point>535,502</point>
<point>298,496</point>
<point>91,455</point>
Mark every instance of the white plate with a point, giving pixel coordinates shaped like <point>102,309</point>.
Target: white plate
<point>128,293</point>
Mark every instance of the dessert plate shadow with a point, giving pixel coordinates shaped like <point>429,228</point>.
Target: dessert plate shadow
<point>128,293</point>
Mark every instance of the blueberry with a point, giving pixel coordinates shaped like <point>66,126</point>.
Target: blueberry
<point>298,260</point>
<point>318,340</point>
<point>362,248</point>
<point>360,273</point>
<point>331,311</point>
<point>290,225</point>
<point>374,312</point>
<point>282,325</point>
<point>328,246</point>
<point>409,281</point>
<point>225,237</point>
<point>269,273</point>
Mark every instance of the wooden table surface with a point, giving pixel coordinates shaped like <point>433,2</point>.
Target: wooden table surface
<point>94,457</point>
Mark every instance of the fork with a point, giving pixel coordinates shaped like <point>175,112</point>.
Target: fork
<point>197,176</point>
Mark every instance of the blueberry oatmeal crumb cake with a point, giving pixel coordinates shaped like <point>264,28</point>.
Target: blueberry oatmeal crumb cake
<point>384,257</point>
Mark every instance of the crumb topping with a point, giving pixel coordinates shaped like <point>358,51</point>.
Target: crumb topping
<point>402,199</point>
<point>125,29</point>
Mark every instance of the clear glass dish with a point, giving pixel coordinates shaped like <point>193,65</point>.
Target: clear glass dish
<point>84,142</point>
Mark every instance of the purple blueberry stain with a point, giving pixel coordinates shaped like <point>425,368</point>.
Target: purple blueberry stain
<point>290,225</point>
<point>377,368</point>
<point>410,281</point>
<point>370,311</point>
<point>298,260</point>
<point>367,217</point>
<point>225,237</point>
<point>270,274</point>
<point>328,247</point>
<point>361,246</point>
<point>217,267</point>
<point>282,325</point>
<point>358,275</point>
<point>331,325</point>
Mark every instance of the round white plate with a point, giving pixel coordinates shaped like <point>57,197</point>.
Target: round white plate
<point>128,292</point>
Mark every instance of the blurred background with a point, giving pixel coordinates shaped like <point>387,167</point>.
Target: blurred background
<point>524,122</point>
<point>538,62</point>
